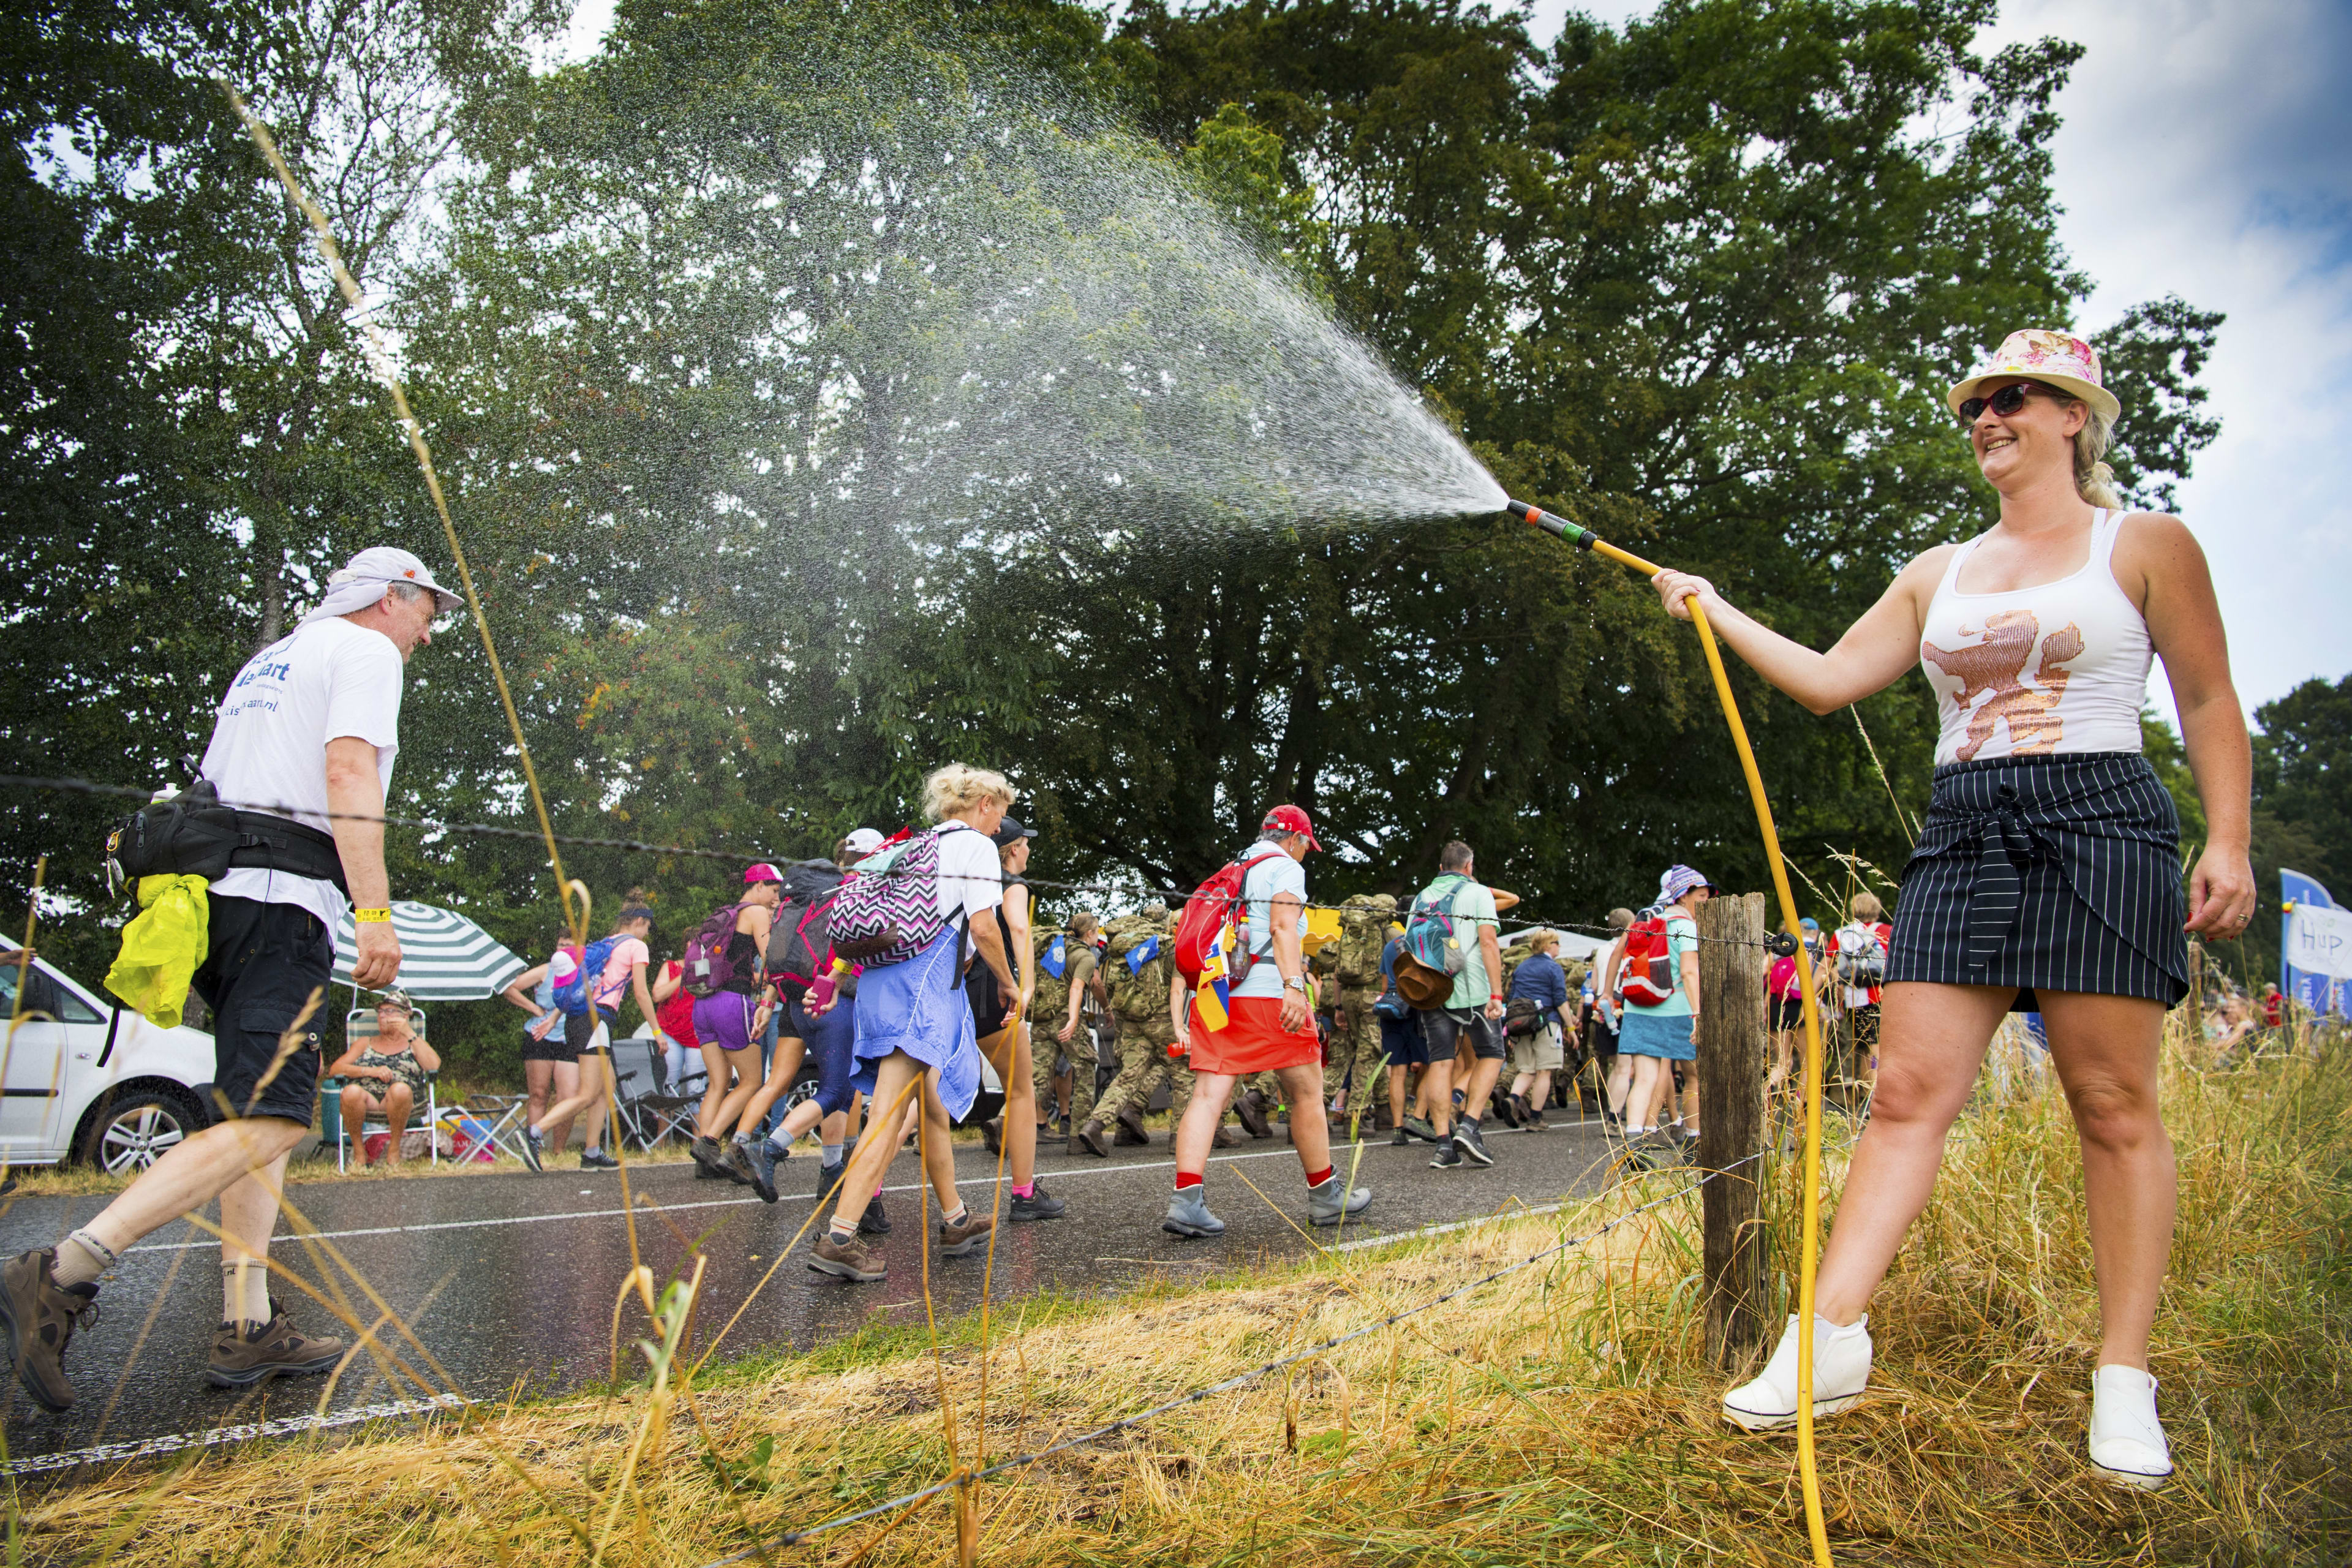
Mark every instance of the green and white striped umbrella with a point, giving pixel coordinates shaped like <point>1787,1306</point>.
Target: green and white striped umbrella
<point>443,957</point>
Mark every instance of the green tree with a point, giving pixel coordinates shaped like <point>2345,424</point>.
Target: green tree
<point>2302,804</point>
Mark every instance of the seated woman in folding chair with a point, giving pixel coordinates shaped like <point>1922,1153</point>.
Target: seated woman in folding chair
<point>384,1075</point>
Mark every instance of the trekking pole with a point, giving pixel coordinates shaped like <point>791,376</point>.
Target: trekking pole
<point>1585,539</point>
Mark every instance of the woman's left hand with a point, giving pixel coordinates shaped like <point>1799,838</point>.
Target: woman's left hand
<point>2221,894</point>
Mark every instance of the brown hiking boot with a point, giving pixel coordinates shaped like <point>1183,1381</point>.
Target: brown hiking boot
<point>1090,1137</point>
<point>1251,1108</point>
<point>40,1315</point>
<point>735,1159</point>
<point>1224,1140</point>
<point>1130,1125</point>
<point>845,1260</point>
<point>274,1349</point>
<point>957,1240</point>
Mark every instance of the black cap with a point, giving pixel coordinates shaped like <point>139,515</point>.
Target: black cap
<point>1010,831</point>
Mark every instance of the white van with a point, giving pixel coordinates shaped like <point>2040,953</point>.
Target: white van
<point>89,1080</point>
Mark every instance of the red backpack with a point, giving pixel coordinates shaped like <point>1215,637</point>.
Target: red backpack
<point>1645,976</point>
<point>1213,906</point>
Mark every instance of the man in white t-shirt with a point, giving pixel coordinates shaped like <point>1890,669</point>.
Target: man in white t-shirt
<point>304,741</point>
<point>1269,1029</point>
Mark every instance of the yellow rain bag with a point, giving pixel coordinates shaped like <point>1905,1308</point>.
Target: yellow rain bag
<point>162,947</point>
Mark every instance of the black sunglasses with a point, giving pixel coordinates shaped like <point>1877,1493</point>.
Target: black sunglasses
<point>2005,401</point>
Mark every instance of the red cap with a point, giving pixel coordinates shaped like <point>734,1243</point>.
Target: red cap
<point>1290,819</point>
<point>762,872</point>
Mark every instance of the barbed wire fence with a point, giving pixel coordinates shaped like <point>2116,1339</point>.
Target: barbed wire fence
<point>734,854</point>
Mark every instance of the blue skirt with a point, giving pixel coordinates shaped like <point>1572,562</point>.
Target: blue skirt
<point>919,1007</point>
<point>1656,1035</point>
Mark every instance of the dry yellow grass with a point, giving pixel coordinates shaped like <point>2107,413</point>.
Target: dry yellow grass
<point>1563,1415</point>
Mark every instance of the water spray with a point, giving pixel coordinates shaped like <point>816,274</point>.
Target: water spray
<point>1585,539</point>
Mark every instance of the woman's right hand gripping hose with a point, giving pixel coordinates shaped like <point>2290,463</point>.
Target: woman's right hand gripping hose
<point>1676,589</point>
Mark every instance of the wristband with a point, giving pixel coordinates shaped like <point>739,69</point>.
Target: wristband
<point>371,917</point>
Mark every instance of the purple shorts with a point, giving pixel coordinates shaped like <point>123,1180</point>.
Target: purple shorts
<point>724,1020</point>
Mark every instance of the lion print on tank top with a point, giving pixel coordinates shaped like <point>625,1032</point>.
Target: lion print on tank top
<point>1995,670</point>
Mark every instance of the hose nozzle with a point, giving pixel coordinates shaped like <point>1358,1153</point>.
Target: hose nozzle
<point>1535,517</point>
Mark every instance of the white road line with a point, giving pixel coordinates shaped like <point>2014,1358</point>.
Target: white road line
<point>1430,1230</point>
<point>555,1216</point>
<point>281,1426</point>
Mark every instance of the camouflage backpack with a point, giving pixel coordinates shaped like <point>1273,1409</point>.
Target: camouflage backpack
<point>1051,1003</point>
<point>1363,932</point>
<point>1136,967</point>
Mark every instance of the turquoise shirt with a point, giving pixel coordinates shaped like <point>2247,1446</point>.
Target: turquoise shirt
<point>1682,937</point>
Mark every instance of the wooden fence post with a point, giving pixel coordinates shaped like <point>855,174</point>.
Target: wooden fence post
<point>1731,961</point>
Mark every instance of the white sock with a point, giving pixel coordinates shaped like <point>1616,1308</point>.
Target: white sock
<point>962,1213</point>
<point>81,1259</point>
<point>244,1291</point>
<point>831,1154</point>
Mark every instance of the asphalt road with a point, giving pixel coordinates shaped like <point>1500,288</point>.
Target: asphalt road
<point>510,1279</point>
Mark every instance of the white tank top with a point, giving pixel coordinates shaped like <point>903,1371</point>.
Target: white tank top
<point>2061,667</point>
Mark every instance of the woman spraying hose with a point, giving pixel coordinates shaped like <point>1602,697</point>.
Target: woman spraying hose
<point>2047,875</point>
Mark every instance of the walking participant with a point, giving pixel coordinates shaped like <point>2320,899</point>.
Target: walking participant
<point>1540,1053</point>
<point>551,1067</point>
<point>1357,1058</point>
<point>1402,1043</point>
<point>914,1015</point>
<point>2047,875</point>
<point>1617,1074</point>
<point>1472,1017</point>
<point>589,988</point>
<point>312,720</point>
<point>1861,964</point>
<point>1065,968</point>
<point>1268,1029</point>
<point>725,967</point>
<point>1141,964</point>
<point>1785,997</point>
<point>1658,989</point>
<point>1002,1023</point>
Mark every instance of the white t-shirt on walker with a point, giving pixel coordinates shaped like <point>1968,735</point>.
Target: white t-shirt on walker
<point>325,681</point>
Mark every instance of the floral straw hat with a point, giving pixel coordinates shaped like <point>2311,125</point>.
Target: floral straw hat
<point>2058,359</point>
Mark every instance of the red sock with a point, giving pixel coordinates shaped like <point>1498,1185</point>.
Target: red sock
<point>1187,1179</point>
<point>1317,1178</point>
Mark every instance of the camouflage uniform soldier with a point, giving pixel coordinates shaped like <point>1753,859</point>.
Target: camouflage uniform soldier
<point>1356,1052</point>
<point>1138,999</point>
<point>1052,1013</point>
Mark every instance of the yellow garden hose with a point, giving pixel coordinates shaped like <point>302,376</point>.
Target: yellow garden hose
<point>1537,517</point>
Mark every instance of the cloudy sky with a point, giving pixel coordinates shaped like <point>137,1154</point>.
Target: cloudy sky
<point>2207,152</point>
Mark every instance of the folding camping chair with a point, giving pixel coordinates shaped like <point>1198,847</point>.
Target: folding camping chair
<point>648,1107</point>
<point>358,1025</point>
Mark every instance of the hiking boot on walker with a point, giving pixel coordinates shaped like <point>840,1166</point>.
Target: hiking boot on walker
<point>244,1355</point>
<point>40,1315</point>
<point>845,1260</point>
<point>1330,1201</point>
<point>1189,1215</point>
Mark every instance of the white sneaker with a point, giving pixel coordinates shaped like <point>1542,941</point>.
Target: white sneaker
<point>1841,1373</point>
<point>2127,1443</point>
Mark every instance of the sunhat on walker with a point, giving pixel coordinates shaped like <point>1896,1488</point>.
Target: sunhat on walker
<point>2062,360</point>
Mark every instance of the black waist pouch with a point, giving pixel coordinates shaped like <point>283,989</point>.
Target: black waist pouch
<point>193,834</point>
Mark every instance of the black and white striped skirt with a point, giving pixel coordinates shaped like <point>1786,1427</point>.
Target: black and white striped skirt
<point>2060,873</point>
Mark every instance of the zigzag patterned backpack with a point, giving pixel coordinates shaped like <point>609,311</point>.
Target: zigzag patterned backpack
<point>888,908</point>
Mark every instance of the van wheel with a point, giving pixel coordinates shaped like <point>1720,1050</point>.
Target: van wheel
<point>133,1132</point>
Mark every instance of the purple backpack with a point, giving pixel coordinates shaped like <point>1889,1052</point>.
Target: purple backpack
<point>888,908</point>
<point>706,971</point>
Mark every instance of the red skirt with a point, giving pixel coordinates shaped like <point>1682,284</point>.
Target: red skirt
<point>1253,1040</point>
